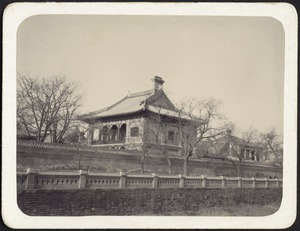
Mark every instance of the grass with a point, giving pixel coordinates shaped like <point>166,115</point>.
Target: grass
<point>241,210</point>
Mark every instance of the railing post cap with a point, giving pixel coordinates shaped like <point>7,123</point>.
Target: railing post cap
<point>266,179</point>
<point>181,176</point>
<point>154,175</point>
<point>122,173</point>
<point>82,172</point>
<point>203,176</point>
<point>30,170</point>
<point>252,178</point>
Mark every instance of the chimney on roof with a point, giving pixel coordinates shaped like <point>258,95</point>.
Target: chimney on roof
<point>158,83</point>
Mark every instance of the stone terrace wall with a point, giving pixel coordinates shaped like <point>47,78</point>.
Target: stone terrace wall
<point>55,156</point>
<point>136,201</point>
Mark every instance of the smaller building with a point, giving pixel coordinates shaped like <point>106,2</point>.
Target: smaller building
<point>230,147</point>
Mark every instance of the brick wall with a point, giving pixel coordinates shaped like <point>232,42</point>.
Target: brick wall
<point>136,201</point>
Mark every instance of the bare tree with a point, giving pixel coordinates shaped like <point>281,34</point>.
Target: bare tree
<point>231,147</point>
<point>200,115</point>
<point>272,143</point>
<point>236,145</point>
<point>80,146</point>
<point>76,134</point>
<point>46,106</point>
<point>77,137</point>
<point>155,129</point>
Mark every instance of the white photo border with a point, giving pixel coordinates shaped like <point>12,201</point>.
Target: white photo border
<point>13,16</point>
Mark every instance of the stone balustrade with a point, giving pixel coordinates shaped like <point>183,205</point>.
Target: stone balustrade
<point>92,180</point>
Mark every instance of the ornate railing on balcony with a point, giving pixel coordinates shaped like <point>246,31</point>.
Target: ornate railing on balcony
<point>98,142</point>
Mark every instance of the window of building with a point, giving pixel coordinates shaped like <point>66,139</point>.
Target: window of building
<point>252,155</point>
<point>134,132</point>
<point>105,135</point>
<point>122,133</point>
<point>171,136</point>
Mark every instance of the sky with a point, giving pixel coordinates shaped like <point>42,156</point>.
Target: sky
<point>239,60</point>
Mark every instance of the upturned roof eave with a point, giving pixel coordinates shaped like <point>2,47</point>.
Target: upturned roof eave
<point>89,118</point>
<point>113,115</point>
<point>93,115</point>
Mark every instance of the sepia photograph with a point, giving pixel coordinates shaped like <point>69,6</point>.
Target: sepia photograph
<point>145,115</point>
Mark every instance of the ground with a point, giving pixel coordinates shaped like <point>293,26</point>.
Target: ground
<point>240,210</point>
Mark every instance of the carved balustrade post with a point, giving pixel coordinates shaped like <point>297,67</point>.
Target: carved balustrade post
<point>223,182</point>
<point>253,182</point>
<point>122,180</point>
<point>267,183</point>
<point>239,182</point>
<point>82,179</point>
<point>204,182</point>
<point>277,182</point>
<point>181,181</point>
<point>30,181</point>
<point>155,181</point>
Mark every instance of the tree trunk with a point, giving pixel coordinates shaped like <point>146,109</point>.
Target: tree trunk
<point>185,166</point>
<point>54,137</point>
<point>142,166</point>
<point>169,166</point>
<point>143,162</point>
<point>79,161</point>
<point>239,169</point>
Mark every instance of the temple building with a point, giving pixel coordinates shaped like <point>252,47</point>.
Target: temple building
<point>143,119</point>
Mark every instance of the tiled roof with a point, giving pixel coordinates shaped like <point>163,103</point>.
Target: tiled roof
<point>137,102</point>
<point>129,104</point>
<point>166,112</point>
